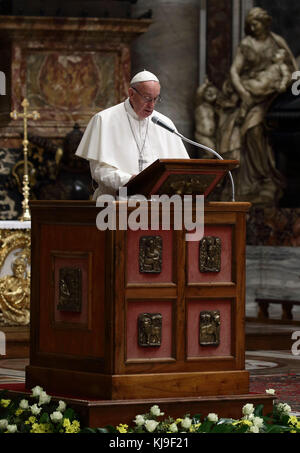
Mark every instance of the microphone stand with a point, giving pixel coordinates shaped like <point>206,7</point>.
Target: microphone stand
<point>213,152</point>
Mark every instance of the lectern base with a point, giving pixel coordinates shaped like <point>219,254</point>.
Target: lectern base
<point>99,413</point>
<point>138,386</point>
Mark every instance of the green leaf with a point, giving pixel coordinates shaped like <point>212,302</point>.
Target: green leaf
<point>258,411</point>
<point>223,428</point>
<point>205,427</point>
<point>45,418</point>
<point>101,430</point>
<point>91,430</point>
<point>69,413</point>
<point>277,429</point>
<point>241,429</point>
<point>111,429</point>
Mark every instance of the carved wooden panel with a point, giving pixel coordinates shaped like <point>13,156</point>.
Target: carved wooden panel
<point>186,184</point>
<point>150,254</point>
<point>210,254</point>
<point>150,329</point>
<point>209,331</point>
<point>70,289</point>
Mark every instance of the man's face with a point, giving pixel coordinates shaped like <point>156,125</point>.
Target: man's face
<point>143,97</point>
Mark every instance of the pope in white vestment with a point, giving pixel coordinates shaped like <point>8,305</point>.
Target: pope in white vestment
<point>121,141</point>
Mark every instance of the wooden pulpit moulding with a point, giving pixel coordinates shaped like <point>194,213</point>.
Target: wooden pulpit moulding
<point>180,176</point>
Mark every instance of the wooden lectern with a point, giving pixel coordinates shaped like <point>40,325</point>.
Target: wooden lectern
<point>132,318</point>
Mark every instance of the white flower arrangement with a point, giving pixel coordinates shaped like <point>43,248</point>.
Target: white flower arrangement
<point>42,416</point>
<point>24,404</point>
<point>35,410</point>
<point>155,410</point>
<point>151,425</point>
<point>36,391</point>
<point>248,409</point>
<point>284,408</point>
<point>139,420</point>
<point>56,416</point>
<point>173,428</point>
<point>61,406</point>
<point>46,416</point>
<point>12,428</point>
<point>213,417</point>
<point>186,423</point>
<point>44,398</point>
<point>3,424</point>
<point>270,391</point>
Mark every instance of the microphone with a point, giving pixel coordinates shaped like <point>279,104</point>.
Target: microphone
<point>161,123</point>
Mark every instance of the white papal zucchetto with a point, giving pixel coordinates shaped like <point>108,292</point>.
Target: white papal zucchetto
<point>144,76</point>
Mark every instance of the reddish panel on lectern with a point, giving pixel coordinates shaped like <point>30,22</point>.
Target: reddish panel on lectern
<point>133,248</point>
<point>194,308</point>
<point>194,275</point>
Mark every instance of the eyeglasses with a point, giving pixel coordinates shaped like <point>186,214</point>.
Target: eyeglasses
<point>148,98</point>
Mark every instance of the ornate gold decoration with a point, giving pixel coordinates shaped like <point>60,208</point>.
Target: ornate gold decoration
<point>210,328</point>
<point>150,255</point>
<point>70,289</point>
<point>15,293</point>
<point>26,189</point>
<point>11,240</point>
<point>15,288</point>
<point>210,254</point>
<point>18,173</point>
<point>186,184</point>
<point>149,329</point>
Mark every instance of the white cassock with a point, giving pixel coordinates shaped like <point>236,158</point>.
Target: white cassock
<point>116,139</point>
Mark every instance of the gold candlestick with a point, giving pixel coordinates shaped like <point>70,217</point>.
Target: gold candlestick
<point>26,189</point>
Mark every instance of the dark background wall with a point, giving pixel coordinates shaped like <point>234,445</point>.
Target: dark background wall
<point>170,50</point>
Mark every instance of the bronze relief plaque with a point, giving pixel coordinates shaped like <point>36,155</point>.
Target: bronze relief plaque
<point>149,329</point>
<point>210,323</point>
<point>70,289</point>
<point>150,254</point>
<point>183,184</point>
<point>210,254</point>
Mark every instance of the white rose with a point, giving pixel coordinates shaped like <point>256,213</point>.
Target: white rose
<point>248,409</point>
<point>36,391</point>
<point>3,423</point>
<point>285,408</point>
<point>155,410</point>
<point>151,425</point>
<point>254,429</point>
<point>212,417</point>
<point>12,428</point>
<point>258,421</point>
<point>24,404</point>
<point>139,420</point>
<point>61,406</point>
<point>56,416</point>
<point>35,410</point>
<point>270,392</point>
<point>186,423</point>
<point>173,428</point>
<point>44,398</point>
